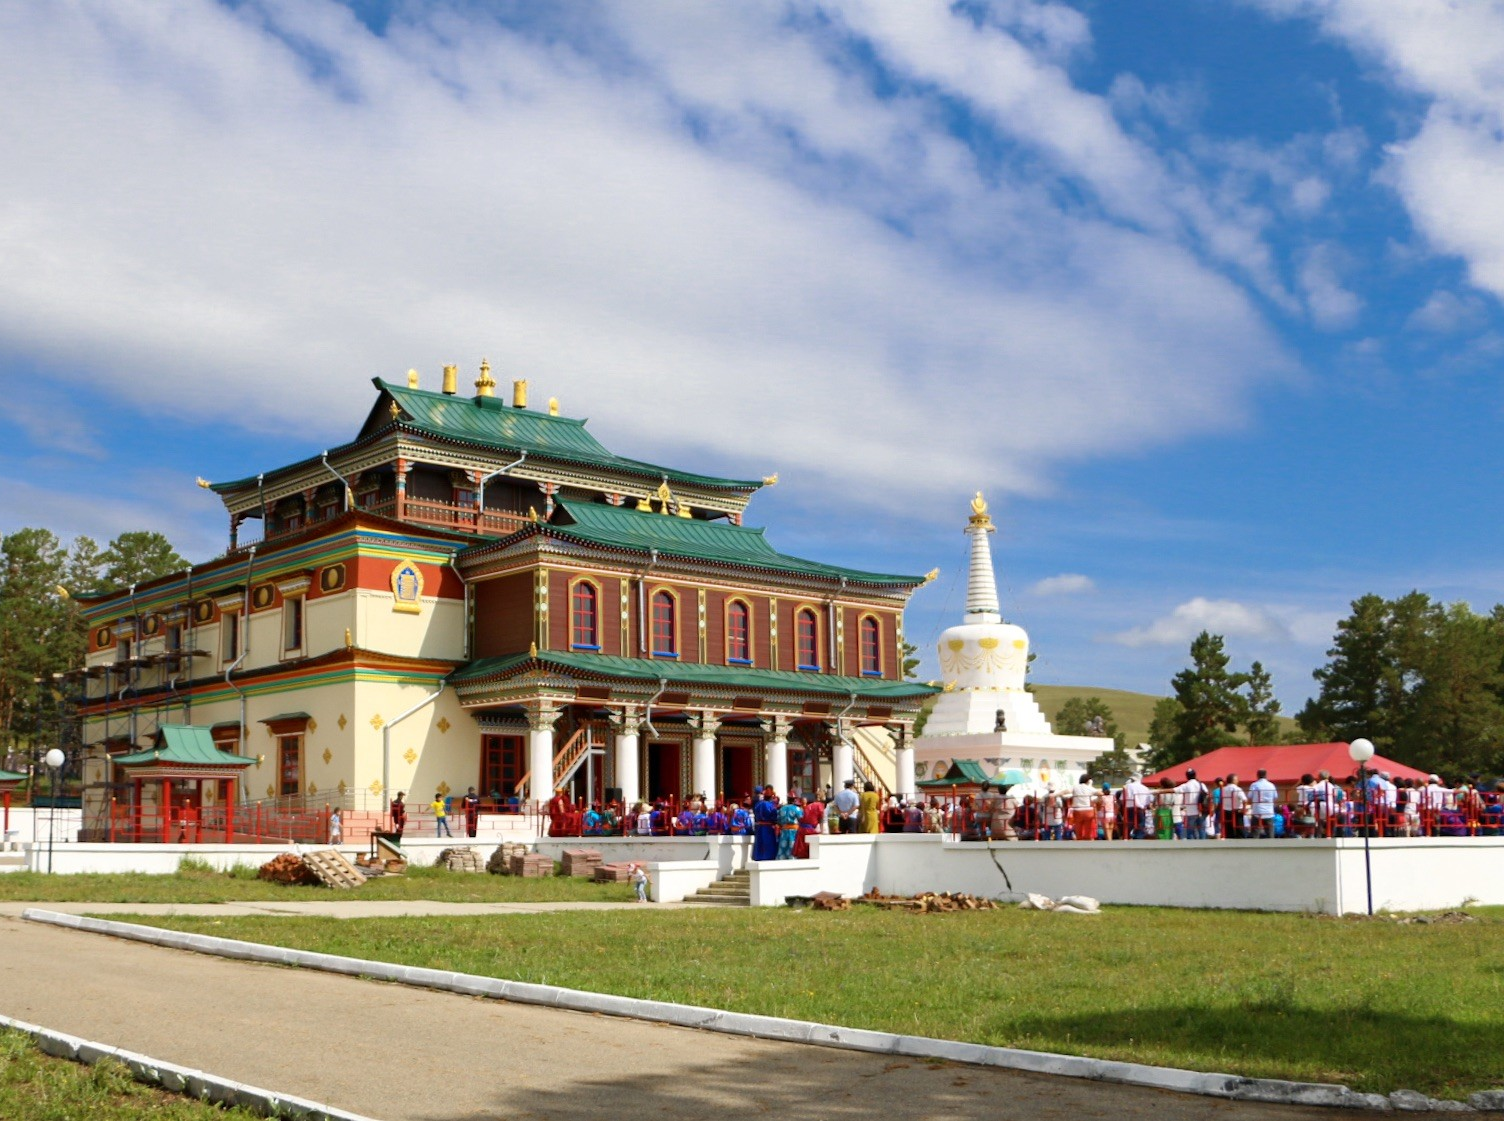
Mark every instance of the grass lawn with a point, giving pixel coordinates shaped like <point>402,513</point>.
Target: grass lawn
<point>202,885</point>
<point>38,1087</point>
<point>1373,1004</point>
<point>1134,712</point>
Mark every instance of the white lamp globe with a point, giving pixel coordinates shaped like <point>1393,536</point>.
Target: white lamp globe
<point>54,758</point>
<point>1360,751</point>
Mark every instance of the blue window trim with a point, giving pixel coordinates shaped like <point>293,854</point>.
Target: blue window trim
<point>580,646</point>
<point>739,661</point>
<point>872,673</point>
<point>664,654</point>
<point>816,669</point>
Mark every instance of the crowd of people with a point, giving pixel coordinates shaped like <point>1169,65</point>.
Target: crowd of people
<point>1192,809</point>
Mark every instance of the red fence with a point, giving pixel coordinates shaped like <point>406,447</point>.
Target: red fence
<point>190,825</point>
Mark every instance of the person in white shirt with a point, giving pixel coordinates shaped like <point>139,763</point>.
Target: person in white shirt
<point>1262,795</point>
<point>848,804</point>
<point>1051,813</point>
<point>1193,825</point>
<point>1234,803</point>
<point>1324,797</point>
<point>1136,801</point>
<point>1433,799</point>
<point>1083,810</point>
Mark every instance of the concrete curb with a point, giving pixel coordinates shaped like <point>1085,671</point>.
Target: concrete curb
<point>181,1080</point>
<point>772,1027</point>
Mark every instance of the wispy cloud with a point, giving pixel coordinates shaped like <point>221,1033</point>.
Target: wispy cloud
<point>769,215</point>
<point>1066,584</point>
<point>1219,616</point>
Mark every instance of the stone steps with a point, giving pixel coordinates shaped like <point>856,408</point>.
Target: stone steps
<point>734,890</point>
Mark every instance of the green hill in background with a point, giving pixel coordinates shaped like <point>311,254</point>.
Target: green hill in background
<point>1132,711</point>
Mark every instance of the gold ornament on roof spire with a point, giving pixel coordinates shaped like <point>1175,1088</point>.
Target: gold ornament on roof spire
<point>412,379</point>
<point>979,515</point>
<point>770,480</point>
<point>665,496</point>
<point>485,385</point>
<point>553,406</point>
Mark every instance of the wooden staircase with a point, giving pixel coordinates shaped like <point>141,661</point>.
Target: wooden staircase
<point>734,890</point>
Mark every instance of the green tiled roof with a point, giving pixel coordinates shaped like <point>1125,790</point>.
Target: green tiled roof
<point>700,673</point>
<point>490,421</point>
<point>11,776</point>
<point>620,527</point>
<point>186,745</point>
<point>961,771</point>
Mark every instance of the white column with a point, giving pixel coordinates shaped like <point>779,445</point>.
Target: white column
<point>776,763</point>
<point>540,753</point>
<point>904,778</point>
<point>702,772</point>
<point>840,764</point>
<point>626,763</point>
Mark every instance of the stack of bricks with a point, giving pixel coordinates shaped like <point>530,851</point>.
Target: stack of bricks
<point>581,862</point>
<point>532,865</point>
<point>461,860</point>
<point>619,873</point>
<point>500,863</point>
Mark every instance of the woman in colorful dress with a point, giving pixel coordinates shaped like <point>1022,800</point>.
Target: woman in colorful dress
<point>790,815</point>
<point>869,816</point>
<point>812,822</point>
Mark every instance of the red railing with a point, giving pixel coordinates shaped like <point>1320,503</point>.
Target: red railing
<point>193,825</point>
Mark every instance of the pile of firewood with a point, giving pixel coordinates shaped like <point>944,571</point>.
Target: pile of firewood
<point>500,863</point>
<point>376,866</point>
<point>287,868</point>
<point>930,903</point>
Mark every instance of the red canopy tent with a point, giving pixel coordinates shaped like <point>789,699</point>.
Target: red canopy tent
<point>1286,763</point>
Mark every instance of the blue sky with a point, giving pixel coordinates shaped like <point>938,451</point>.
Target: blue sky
<point>1203,295</point>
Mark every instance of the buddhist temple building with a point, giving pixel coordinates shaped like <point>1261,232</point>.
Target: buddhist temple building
<point>986,715</point>
<point>474,592</point>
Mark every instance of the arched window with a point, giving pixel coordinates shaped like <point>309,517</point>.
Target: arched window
<point>583,617</point>
<point>807,632</point>
<point>738,633</point>
<point>871,642</point>
<point>665,634</point>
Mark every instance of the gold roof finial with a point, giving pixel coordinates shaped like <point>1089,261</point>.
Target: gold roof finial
<point>485,385</point>
<point>931,576</point>
<point>412,379</point>
<point>519,393</point>
<point>395,409</point>
<point>451,380</point>
<point>665,496</point>
<point>770,480</point>
<point>532,650</point>
<point>553,406</point>
<point>684,510</point>
<point>979,515</point>
<point>203,482</point>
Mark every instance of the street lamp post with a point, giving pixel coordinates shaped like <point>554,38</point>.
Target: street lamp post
<point>1361,751</point>
<point>54,760</point>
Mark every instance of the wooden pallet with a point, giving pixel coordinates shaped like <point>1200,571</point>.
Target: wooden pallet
<point>332,869</point>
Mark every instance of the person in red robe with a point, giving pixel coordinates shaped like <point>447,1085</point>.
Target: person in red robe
<point>472,812</point>
<point>559,810</point>
<point>814,818</point>
<point>399,816</point>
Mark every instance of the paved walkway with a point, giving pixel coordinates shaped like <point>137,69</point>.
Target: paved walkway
<point>405,1054</point>
<point>328,908</point>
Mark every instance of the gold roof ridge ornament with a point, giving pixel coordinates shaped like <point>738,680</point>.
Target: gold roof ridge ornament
<point>412,379</point>
<point>665,496</point>
<point>770,480</point>
<point>519,393</point>
<point>931,576</point>
<point>979,516</point>
<point>451,380</point>
<point>485,385</point>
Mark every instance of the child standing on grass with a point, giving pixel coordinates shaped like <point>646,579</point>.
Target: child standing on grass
<point>640,882</point>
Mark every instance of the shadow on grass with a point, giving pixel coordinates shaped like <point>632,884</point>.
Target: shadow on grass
<point>1366,1049</point>
<point>803,1083</point>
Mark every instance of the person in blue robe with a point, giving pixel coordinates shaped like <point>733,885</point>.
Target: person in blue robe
<point>765,821</point>
<point>790,814</point>
<point>739,821</point>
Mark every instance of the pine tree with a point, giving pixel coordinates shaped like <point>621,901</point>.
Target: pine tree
<point>1262,708</point>
<point>1210,707</point>
<point>1162,732</point>
<point>138,556</point>
<point>1087,716</point>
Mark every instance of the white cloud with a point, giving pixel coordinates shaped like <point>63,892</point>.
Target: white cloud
<point>1331,305</point>
<point>698,224</point>
<point>1220,616</point>
<point>1445,312</point>
<point>1066,584</point>
<point>1450,169</point>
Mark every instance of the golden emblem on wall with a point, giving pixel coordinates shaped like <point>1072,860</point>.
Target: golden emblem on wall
<point>375,787</point>
<point>377,722</point>
<point>313,725</point>
<point>407,587</point>
<point>410,757</point>
<point>342,722</point>
<point>443,725</point>
<point>327,756</point>
<point>443,788</point>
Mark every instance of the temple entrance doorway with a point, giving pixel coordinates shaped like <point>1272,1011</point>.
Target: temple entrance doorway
<point>665,772</point>
<point>500,766</point>
<point>738,770</point>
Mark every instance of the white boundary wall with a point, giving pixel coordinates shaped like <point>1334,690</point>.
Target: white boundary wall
<point>1325,876</point>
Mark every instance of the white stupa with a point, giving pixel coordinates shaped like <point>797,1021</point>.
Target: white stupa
<point>985,713</point>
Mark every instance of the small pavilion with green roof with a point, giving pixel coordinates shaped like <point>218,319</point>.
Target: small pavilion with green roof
<point>185,771</point>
